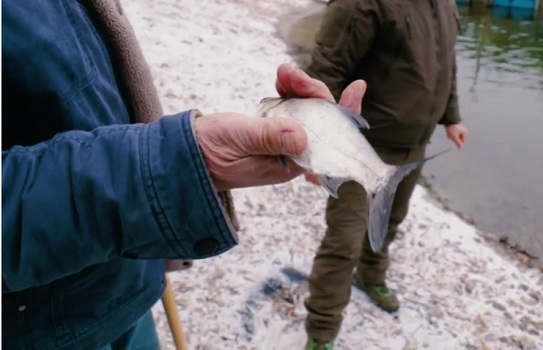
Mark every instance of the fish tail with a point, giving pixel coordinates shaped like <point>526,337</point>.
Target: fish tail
<point>379,209</point>
<point>380,202</point>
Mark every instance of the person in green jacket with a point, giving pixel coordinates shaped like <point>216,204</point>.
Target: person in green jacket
<point>405,51</point>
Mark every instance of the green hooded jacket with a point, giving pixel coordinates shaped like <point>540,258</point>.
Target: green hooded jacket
<point>405,51</point>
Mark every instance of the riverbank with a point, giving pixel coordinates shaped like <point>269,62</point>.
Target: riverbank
<point>457,290</point>
<point>501,243</point>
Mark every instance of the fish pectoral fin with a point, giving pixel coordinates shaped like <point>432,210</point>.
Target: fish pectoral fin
<point>330,184</point>
<point>360,122</point>
<point>284,162</point>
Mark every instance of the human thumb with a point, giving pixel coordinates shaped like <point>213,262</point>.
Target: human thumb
<point>274,136</point>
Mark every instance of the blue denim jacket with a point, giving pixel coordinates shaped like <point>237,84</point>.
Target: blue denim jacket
<point>91,203</point>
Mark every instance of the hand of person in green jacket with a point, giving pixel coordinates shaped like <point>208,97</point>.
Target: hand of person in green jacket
<point>457,133</point>
<point>241,151</point>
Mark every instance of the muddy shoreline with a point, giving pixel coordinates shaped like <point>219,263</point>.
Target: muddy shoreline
<point>500,243</point>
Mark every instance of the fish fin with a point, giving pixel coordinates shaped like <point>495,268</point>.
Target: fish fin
<point>284,162</point>
<point>330,184</point>
<point>267,99</point>
<point>360,122</point>
<point>267,104</point>
<point>379,209</point>
<point>404,170</point>
<point>380,203</point>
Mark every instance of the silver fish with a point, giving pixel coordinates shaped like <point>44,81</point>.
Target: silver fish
<point>337,152</point>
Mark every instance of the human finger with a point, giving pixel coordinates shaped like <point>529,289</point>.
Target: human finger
<point>456,139</point>
<point>295,82</point>
<point>283,79</point>
<point>271,136</point>
<point>256,171</point>
<point>309,177</point>
<point>352,96</point>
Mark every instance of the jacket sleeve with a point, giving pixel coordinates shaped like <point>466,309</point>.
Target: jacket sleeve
<point>452,114</point>
<point>346,33</point>
<point>136,191</point>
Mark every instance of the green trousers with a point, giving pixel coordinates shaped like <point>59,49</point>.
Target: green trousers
<point>345,247</point>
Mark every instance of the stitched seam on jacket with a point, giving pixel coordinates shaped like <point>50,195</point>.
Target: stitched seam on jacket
<point>67,96</point>
<point>38,150</point>
<point>41,148</point>
<point>152,193</point>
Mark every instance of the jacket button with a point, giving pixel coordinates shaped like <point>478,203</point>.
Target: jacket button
<point>22,308</point>
<point>206,246</point>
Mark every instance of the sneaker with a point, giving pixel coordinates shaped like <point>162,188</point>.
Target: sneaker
<point>380,294</point>
<point>314,344</point>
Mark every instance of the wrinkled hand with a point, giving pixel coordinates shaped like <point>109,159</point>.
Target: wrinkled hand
<point>457,133</point>
<point>241,151</point>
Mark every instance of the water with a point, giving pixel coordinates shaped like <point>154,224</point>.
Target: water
<point>497,179</point>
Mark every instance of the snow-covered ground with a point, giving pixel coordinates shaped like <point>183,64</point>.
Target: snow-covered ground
<point>456,291</point>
